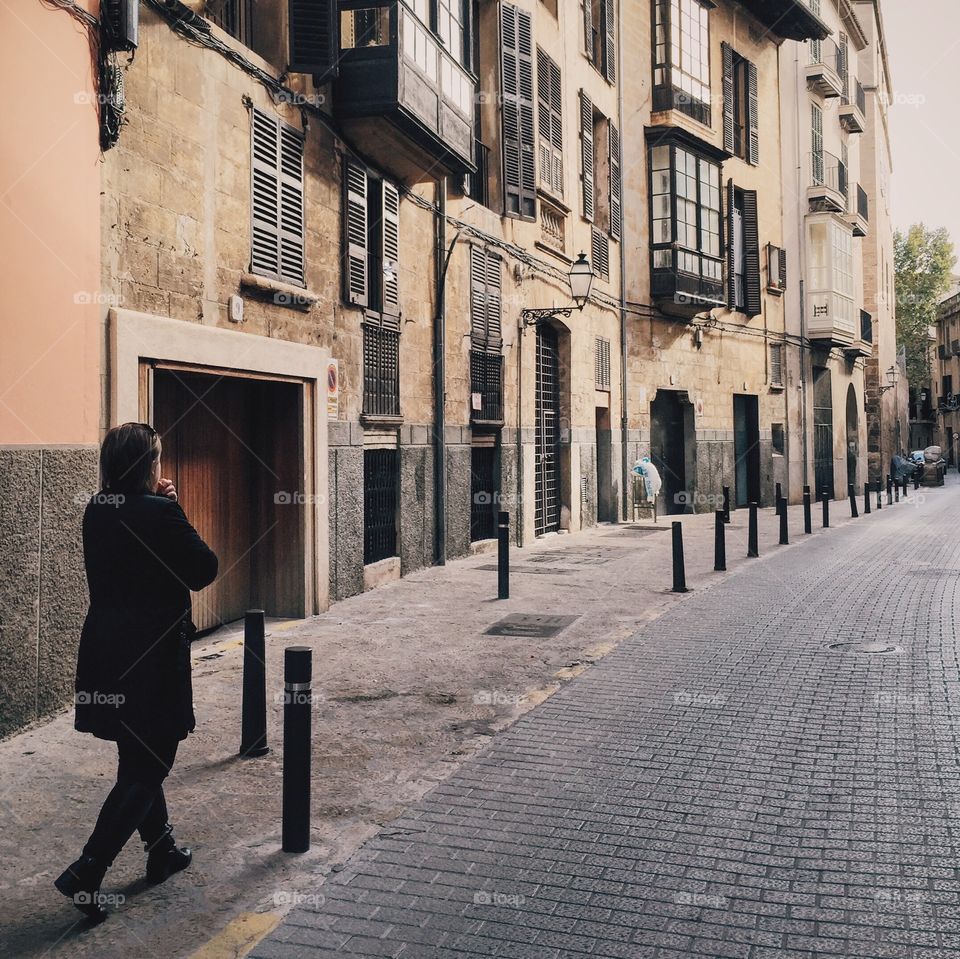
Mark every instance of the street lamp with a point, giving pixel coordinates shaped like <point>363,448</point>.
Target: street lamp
<point>580,279</point>
<point>891,380</point>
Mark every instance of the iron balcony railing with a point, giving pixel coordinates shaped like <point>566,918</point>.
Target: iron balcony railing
<point>486,378</point>
<point>859,97</point>
<point>863,204</point>
<point>828,170</point>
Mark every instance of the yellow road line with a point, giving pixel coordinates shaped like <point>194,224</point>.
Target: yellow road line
<point>239,937</point>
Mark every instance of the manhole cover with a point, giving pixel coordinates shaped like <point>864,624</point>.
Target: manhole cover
<point>645,529</point>
<point>873,649</point>
<point>530,624</point>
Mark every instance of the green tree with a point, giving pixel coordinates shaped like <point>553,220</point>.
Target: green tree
<point>923,263</point>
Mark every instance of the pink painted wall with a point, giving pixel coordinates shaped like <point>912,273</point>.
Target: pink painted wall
<point>49,229</point>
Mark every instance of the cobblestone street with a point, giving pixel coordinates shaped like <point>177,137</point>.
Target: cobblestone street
<point>769,770</point>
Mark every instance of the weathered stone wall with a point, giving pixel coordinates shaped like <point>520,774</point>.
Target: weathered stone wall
<point>43,588</point>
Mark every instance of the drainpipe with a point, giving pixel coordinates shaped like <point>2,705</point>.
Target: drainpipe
<point>624,433</point>
<point>439,382</point>
<point>801,251</point>
<point>519,520</point>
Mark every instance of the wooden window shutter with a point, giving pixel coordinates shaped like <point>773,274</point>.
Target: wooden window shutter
<point>731,267</point>
<point>783,269</point>
<point>616,183</point>
<point>265,196</point>
<point>485,301</point>
<point>390,255</point>
<point>753,115</point>
<point>728,136</point>
<point>516,77</point>
<point>314,42</point>
<point>494,300</point>
<point>355,280</point>
<point>608,28</point>
<point>776,364</point>
<point>291,205</point>
<point>550,120</point>
<point>751,253</point>
<point>600,252</point>
<point>586,153</point>
<point>844,66</point>
<point>528,147</point>
<point>588,27</point>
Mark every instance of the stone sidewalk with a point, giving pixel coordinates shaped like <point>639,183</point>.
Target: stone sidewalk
<point>408,686</point>
<point>769,771</point>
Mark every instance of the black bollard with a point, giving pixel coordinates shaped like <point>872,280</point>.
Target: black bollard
<point>906,480</point>
<point>503,555</point>
<point>753,548</point>
<point>719,543</point>
<point>297,705</point>
<point>916,479</point>
<point>852,494</point>
<point>679,576</point>
<point>825,503</point>
<point>866,498</point>
<point>879,495</point>
<point>777,497</point>
<point>253,711</point>
<point>784,531</point>
<point>889,489</point>
<point>726,504</point>
<point>896,491</point>
<point>807,522</point>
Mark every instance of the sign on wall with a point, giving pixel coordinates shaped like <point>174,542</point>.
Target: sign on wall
<point>333,389</point>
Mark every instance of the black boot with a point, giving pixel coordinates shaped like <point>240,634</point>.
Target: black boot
<point>164,858</point>
<point>80,881</point>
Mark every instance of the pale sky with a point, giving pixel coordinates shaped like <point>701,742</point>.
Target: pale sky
<point>923,41</point>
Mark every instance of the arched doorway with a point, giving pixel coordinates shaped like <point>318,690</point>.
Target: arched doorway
<point>853,435</point>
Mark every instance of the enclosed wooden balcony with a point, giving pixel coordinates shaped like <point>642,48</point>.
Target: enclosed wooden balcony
<point>404,100</point>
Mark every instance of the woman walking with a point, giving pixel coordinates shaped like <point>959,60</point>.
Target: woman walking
<point>133,682</point>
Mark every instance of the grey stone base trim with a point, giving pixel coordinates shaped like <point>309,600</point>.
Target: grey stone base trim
<point>43,588</point>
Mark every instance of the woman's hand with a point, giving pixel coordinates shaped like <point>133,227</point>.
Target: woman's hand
<point>166,488</point>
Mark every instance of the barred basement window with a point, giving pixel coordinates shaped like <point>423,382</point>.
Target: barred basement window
<point>600,248</point>
<point>776,365</point>
<point>602,363</point>
<point>277,201</point>
<point>484,492</point>
<point>379,505</point>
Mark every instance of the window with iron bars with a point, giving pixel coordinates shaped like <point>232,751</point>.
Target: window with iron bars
<point>381,370</point>
<point>379,505</point>
<point>484,492</point>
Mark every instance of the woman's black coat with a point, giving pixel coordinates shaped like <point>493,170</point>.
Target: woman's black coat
<point>133,668</point>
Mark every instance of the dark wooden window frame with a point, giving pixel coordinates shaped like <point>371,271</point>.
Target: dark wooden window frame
<point>667,96</point>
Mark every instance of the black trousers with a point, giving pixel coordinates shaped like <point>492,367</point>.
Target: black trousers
<point>136,802</point>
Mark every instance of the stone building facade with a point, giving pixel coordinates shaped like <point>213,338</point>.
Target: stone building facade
<point>841,329</point>
<point>327,254</point>
<point>705,248</point>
